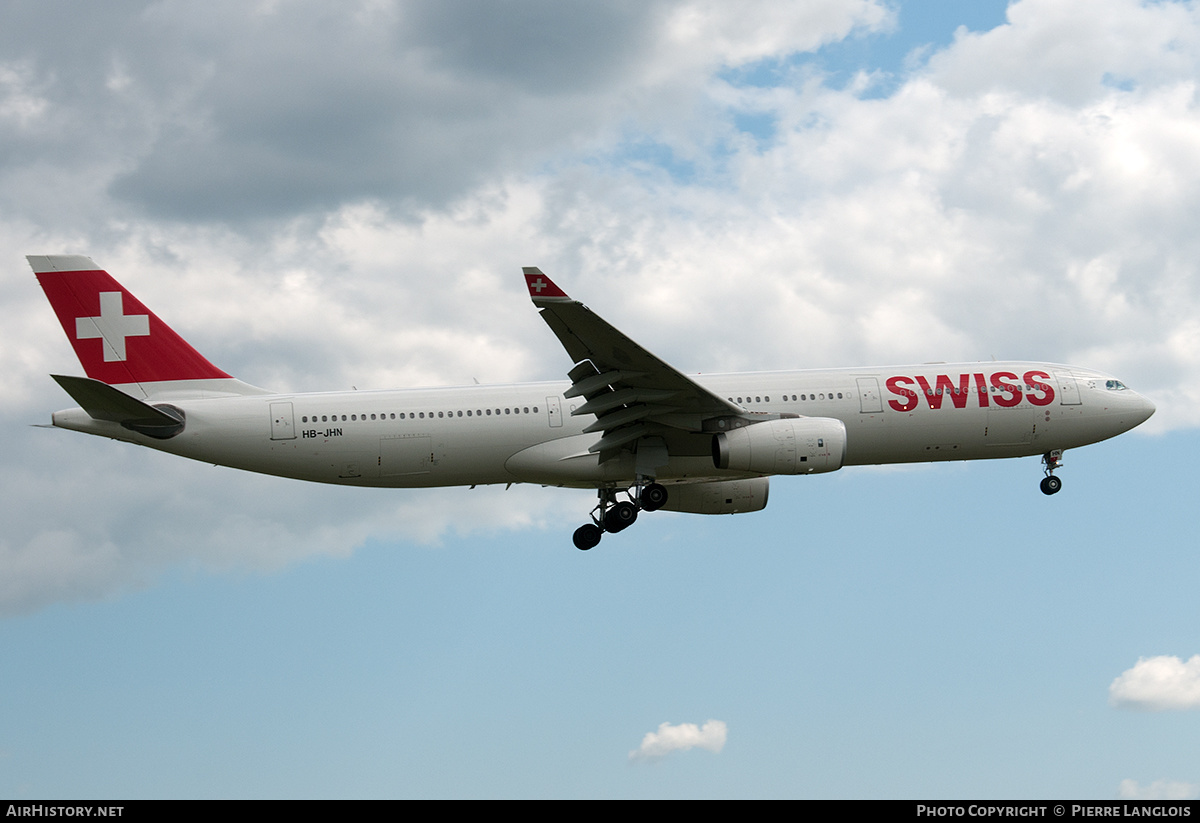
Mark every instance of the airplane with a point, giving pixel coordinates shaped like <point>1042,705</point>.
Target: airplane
<point>644,435</point>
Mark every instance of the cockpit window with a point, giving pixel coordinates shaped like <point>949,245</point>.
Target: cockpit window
<point>1114,385</point>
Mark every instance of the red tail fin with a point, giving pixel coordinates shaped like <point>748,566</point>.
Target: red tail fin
<point>117,339</point>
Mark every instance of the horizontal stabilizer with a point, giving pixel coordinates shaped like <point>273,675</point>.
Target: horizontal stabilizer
<point>102,402</point>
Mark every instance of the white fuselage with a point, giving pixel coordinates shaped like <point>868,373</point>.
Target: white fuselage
<point>526,432</point>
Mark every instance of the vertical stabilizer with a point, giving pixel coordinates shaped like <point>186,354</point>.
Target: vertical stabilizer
<point>117,339</point>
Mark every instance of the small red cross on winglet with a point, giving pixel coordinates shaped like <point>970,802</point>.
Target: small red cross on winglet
<point>541,286</point>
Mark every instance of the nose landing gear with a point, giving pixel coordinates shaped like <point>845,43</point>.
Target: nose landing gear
<point>612,516</point>
<point>1051,460</point>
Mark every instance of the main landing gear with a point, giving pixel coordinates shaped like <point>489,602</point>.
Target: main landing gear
<point>612,515</point>
<point>1051,460</point>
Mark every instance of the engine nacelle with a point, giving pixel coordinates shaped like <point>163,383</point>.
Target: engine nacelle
<point>801,445</point>
<point>719,496</point>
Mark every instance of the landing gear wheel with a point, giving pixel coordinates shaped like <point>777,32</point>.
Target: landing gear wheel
<point>620,516</point>
<point>1051,484</point>
<point>587,537</point>
<point>653,497</point>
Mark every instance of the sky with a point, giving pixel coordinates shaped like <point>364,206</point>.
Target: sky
<point>331,196</point>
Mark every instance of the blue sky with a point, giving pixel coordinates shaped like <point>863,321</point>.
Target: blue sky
<point>956,642</point>
<point>178,630</point>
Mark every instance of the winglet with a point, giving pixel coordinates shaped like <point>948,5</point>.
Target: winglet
<point>541,287</point>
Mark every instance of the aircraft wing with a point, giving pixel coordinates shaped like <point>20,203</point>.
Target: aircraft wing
<point>628,389</point>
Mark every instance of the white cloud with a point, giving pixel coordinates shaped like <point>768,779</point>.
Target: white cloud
<point>1158,683</point>
<point>1158,790</point>
<point>715,32</point>
<point>18,102</point>
<point>245,111</point>
<point>668,739</point>
<point>1047,48</point>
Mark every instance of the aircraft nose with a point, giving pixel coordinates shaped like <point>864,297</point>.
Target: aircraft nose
<point>1145,408</point>
<point>1137,409</point>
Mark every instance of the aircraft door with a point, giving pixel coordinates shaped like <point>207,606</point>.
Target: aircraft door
<point>1068,389</point>
<point>283,424</point>
<point>868,395</point>
<point>554,412</point>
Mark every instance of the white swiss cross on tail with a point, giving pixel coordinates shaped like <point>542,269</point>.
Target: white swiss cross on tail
<point>542,287</point>
<point>117,339</point>
<point>112,326</point>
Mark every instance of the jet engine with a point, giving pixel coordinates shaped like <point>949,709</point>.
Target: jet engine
<point>719,496</point>
<point>801,445</point>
